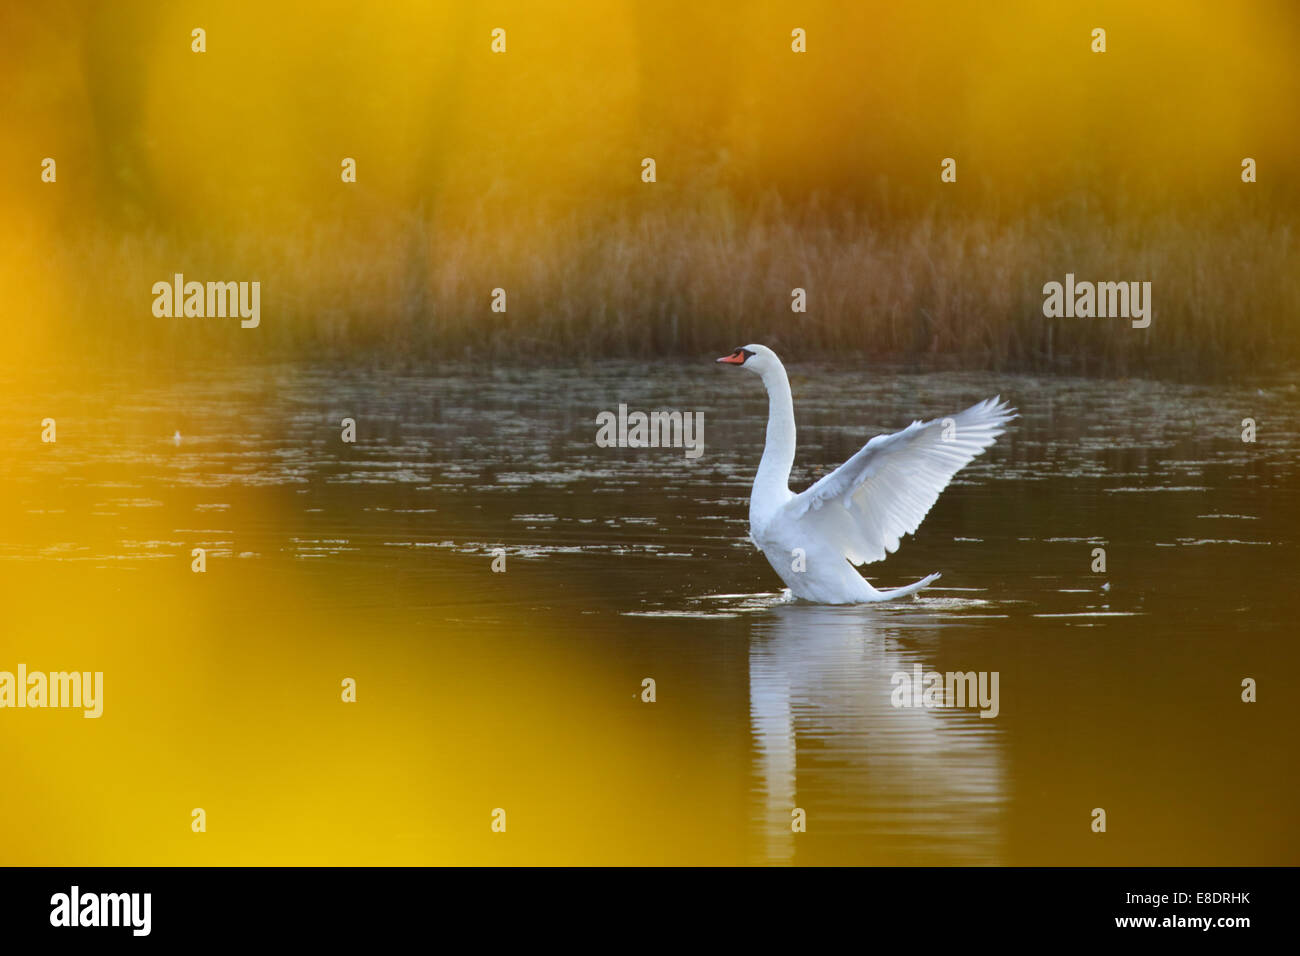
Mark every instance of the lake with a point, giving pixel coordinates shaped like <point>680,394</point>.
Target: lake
<point>522,690</point>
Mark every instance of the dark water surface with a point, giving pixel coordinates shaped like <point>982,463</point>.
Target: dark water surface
<point>522,690</point>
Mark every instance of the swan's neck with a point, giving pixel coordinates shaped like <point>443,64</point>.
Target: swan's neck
<point>772,483</point>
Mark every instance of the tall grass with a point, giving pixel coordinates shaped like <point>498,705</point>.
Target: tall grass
<point>702,274</point>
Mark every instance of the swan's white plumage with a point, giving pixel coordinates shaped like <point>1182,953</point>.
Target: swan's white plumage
<point>859,512</point>
<point>886,490</point>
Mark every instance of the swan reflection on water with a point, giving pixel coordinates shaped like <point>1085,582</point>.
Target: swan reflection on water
<point>879,784</point>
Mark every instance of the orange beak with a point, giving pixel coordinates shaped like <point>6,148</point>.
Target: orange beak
<point>735,358</point>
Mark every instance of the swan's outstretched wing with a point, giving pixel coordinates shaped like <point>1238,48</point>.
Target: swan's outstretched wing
<point>885,490</point>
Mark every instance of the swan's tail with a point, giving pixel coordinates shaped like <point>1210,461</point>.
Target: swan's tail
<point>890,593</point>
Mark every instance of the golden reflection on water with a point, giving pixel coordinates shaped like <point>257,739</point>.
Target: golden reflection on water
<point>522,691</point>
<point>825,674</point>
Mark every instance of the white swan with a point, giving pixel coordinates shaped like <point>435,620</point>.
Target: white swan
<point>857,513</point>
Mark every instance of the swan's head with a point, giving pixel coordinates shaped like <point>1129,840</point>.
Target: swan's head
<point>755,358</point>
